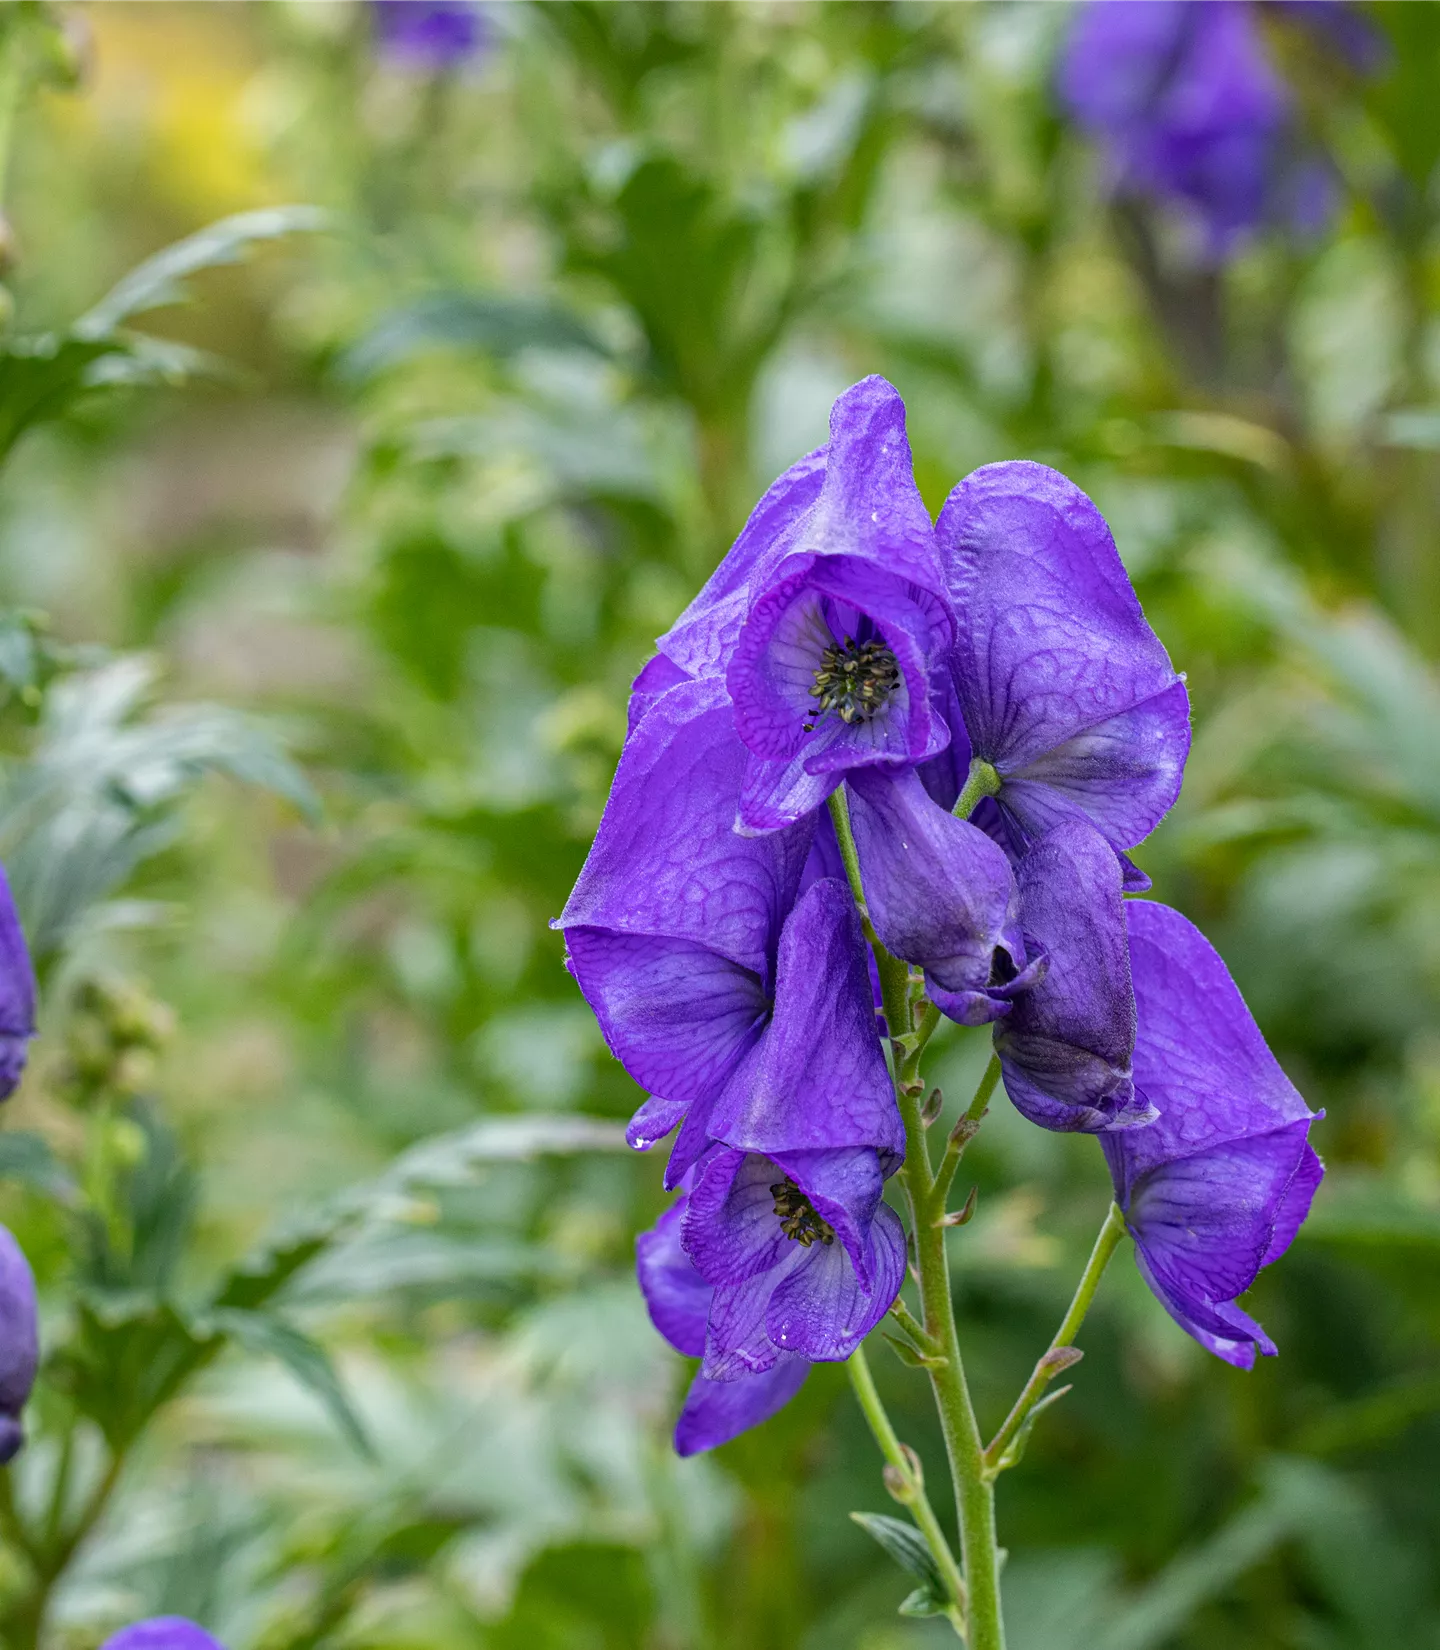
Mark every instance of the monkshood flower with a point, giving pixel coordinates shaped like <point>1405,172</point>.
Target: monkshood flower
<point>1064,690</point>
<point>941,895</point>
<point>429,35</point>
<point>162,1633</point>
<point>19,1343</point>
<point>1066,1046</point>
<point>801,1252</point>
<point>1218,1185</point>
<point>742,1006</point>
<point>17,995</point>
<point>827,618</point>
<point>1188,109</point>
<point>678,1300</point>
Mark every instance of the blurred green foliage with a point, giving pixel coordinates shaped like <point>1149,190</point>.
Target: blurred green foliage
<point>322,596</point>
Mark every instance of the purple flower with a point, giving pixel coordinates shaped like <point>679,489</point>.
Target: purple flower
<point>1063,688</point>
<point>1186,105</point>
<point>1065,1049</point>
<point>17,995</point>
<point>679,1300</point>
<point>429,35</point>
<point>19,1343</point>
<point>940,894</point>
<point>162,1633</point>
<point>741,1007</point>
<point>827,617</point>
<point>1218,1185</point>
<point>801,1252</point>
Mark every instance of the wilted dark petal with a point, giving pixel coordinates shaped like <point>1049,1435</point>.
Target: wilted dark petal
<point>1061,682</point>
<point>676,1296</point>
<point>817,1079</point>
<point>820,1308</point>
<point>940,893</point>
<point>1066,1047</point>
<point>162,1633</point>
<point>702,638</point>
<point>19,1342</point>
<point>717,1411</point>
<point>665,860</point>
<point>679,1017</point>
<point>17,994</point>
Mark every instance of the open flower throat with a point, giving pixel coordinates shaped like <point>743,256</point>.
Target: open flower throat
<point>854,680</point>
<point>798,1219</point>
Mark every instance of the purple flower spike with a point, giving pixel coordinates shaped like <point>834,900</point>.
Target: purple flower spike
<point>1065,689</point>
<point>941,895</point>
<point>1218,1185</point>
<point>1066,1047</point>
<point>1186,106</point>
<point>831,669</point>
<point>746,1012</point>
<point>679,1299</point>
<point>163,1633</point>
<point>803,1255</point>
<point>429,35</point>
<point>17,995</point>
<point>19,1343</point>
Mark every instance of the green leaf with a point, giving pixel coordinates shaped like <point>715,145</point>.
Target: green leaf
<point>497,323</point>
<point>308,1361</point>
<point>41,379</point>
<point>907,1547</point>
<point>28,1158</point>
<point>158,281</point>
<point>922,1602</point>
<point>261,1276</point>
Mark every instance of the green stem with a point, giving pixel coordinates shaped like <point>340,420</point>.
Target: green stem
<point>1049,1365</point>
<point>964,1130</point>
<point>981,781</point>
<point>915,1498</point>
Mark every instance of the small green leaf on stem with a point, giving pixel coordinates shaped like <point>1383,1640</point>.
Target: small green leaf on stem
<point>962,1216</point>
<point>1015,1451</point>
<point>932,1107</point>
<point>922,1602</point>
<point>907,1547</point>
<point>1060,1358</point>
<point>911,1356</point>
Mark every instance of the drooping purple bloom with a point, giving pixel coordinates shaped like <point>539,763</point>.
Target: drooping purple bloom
<point>1063,687</point>
<point>17,994</point>
<point>1188,109</point>
<point>1218,1185</point>
<point>19,1343</point>
<point>741,1007</point>
<point>1065,1049</point>
<point>429,35</point>
<point>941,895</point>
<point>163,1633</point>
<point>803,1255</point>
<point>678,1299</point>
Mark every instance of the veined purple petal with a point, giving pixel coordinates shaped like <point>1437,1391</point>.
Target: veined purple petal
<point>737,1342</point>
<point>665,860</point>
<point>939,892</point>
<point>730,1229</point>
<point>656,678</point>
<point>817,1079</point>
<point>1066,1047</point>
<point>1063,686</point>
<point>676,1296</point>
<point>679,1017</point>
<point>652,1121</point>
<point>844,1187</point>
<point>717,1411</point>
<point>820,1309</point>
<point>162,1633</point>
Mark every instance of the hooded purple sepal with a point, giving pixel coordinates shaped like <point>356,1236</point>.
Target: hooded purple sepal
<point>17,994</point>
<point>832,668</point>
<point>803,1255</point>
<point>1064,688</point>
<point>1218,1185</point>
<point>163,1633</point>
<point>19,1343</point>
<point>940,894</point>
<point>1066,1047</point>
<point>678,1300</point>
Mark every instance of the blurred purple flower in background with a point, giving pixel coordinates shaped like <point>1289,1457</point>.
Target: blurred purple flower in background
<point>163,1633</point>
<point>429,35</point>
<point>1187,106</point>
<point>19,1343</point>
<point>17,995</point>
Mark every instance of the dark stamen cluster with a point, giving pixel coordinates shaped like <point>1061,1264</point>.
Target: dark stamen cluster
<point>854,681</point>
<point>798,1219</point>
